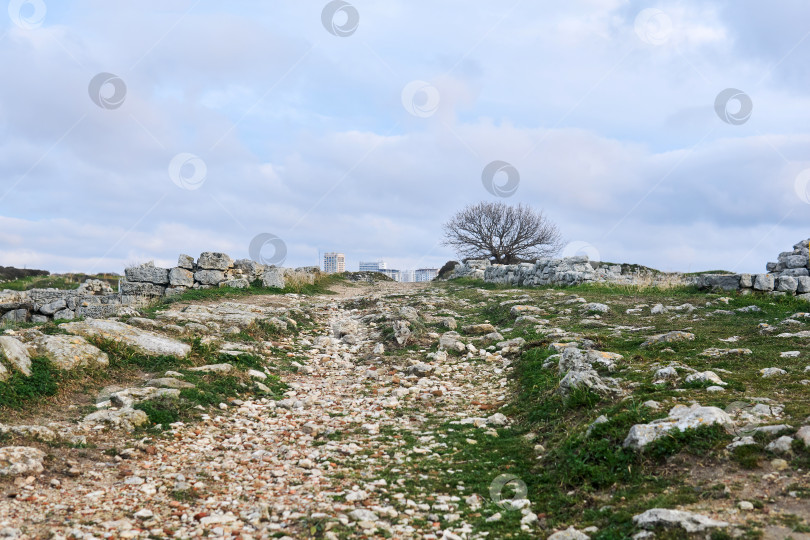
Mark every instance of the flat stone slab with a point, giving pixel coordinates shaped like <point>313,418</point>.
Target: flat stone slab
<point>213,368</point>
<point>226,314</point>
<point>68,352</point>
<point>669,337</point>
<point>143,341</point>
<point>168,382</point>
<point>16,353</point>
<point>41,433</point>
<point>688,521</point>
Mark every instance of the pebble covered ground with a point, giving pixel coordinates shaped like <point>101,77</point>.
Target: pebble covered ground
<point>346,452</point>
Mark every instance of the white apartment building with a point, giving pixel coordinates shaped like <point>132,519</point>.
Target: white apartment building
<point>376,266</point>
<point>425,274</point>
<point>334,262</point>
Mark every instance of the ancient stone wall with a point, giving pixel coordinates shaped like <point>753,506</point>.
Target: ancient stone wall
<point>789,276</point>
<point>567,271</point>
<point>143,284</point>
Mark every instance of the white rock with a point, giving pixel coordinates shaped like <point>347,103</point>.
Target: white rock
<point>361,514</point>
<point>144,514</point>
<point>16,353</point>
<point>144,341</point>
<point>688,521</point>
<point>127,419</point>
<point>706,376</point>
<point>772,372</point>
<point>804,435</point>
<point>473,501</point>
<point>680,418</point>
<point>596,307</point>
<point>569,534</point>
<point>19,460</point>
<point>68,352</point>
<point>780,445</point>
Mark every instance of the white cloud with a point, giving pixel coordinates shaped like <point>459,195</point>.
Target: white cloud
<point>304,134</point>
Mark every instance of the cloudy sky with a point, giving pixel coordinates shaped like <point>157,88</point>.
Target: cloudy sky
<point>134,131</point>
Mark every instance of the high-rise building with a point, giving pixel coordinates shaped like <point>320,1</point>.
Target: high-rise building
<point>334,262</point>
<point>390,272</point>
<point>406,276</point>
<point>425,274</point>
<point>375,266</point>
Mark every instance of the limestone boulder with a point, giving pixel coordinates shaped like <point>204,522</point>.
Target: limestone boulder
<point>665,518</point>
<point>181,277</point>
<point>147,273</point>
<point>787,284</point>
<point>764,282</point>
<point>68,352</point>
<point>209,277</point>
<point>236,283</point>
<point>21,460</point>
<point>273,278</point>
<point>479,329</point>
<point>185,262</point>
<point>251,270</point>
<point>143,341</point>
<point>126,419</point>
<point>52,307</point>
<point>134,288</point>
<point>16,354</point>
<point>214,261</point>
<point>680,418</point>
<point>669,337</point>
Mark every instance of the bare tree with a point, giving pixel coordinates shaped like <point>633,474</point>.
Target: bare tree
<point>505,234</point>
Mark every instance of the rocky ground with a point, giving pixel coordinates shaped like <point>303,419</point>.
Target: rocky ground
<point>413,411</point>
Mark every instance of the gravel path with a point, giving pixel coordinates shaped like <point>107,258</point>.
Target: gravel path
<point>304,466</point>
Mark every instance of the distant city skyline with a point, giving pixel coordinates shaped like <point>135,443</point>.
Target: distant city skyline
<point>332,260</point>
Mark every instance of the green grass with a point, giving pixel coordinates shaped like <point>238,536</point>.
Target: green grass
<point>578,474</point>
<point>18,390</point>
<point>165,411</point>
